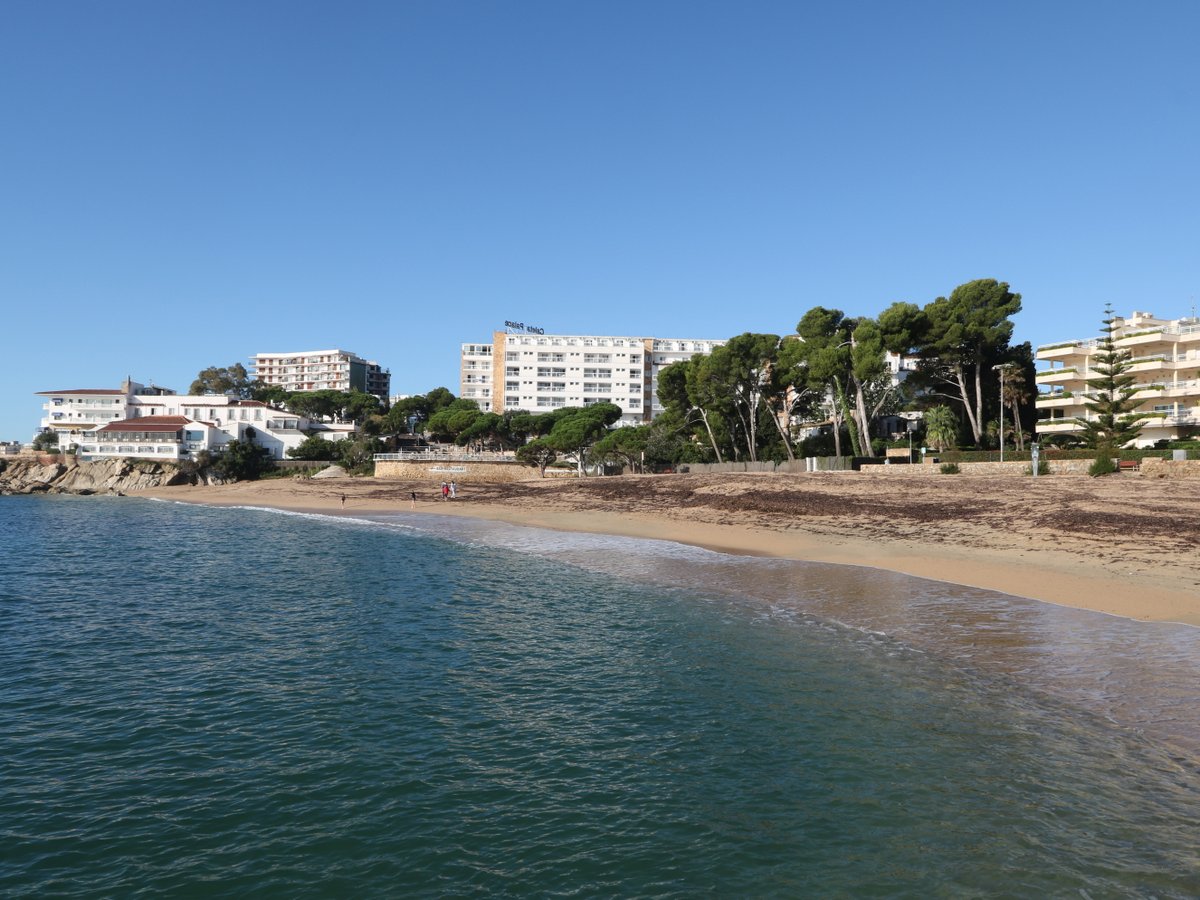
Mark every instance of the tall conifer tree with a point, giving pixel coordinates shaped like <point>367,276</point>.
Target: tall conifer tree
<point>1111,395</point>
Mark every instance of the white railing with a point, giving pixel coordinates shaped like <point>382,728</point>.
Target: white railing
<point>446,456</point>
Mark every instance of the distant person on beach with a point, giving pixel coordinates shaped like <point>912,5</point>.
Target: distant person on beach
<point>413,496</point>
<point>343,501</point>
<point>445,491</point>
<point>454,490</point>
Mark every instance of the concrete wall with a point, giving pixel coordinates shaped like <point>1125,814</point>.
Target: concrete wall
<point>449,470</point>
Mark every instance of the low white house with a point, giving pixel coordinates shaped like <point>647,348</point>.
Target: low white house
<point>137,420</point>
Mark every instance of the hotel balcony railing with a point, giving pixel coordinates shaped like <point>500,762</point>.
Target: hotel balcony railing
<point>432,455</point>
<point>1050,373</point>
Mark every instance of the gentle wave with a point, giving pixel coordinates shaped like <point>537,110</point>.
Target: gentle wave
<point>235,701</point>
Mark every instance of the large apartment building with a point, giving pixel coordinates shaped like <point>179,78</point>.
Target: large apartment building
<point>1166,362</point>
<point>542,372</point>
<point>321,370</point>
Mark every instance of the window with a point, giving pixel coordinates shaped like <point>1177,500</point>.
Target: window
<point>597,357</point>
<point>512,371</point>
<point>550,357</point>
<point>547,372</point>
<point>597,373</point>
<point>635,359</point>
<point>552,386</point>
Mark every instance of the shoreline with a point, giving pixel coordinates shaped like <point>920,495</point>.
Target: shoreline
<point>1100,569</point>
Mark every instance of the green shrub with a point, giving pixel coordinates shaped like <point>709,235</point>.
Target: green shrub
<point>949,469</point>
<point>1043,467</point>
<point>1104,463</point>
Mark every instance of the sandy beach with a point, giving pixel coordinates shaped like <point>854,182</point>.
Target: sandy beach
<point>1125,545</point>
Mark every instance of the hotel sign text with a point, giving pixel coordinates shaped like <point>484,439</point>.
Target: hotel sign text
<point>521,326</point>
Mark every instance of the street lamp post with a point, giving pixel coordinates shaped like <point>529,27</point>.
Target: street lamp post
<point>1001,368</point>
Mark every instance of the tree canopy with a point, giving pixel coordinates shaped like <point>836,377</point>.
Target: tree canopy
<point>226,380</point>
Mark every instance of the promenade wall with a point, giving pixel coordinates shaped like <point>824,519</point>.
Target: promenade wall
<point>461,471</point>
<point>1151,467</point>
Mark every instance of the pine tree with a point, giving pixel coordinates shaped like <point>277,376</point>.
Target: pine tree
<point>1111,395</point>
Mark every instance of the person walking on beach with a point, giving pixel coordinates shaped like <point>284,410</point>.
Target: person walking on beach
<point>445,491</point>
<point>414,499</point>
<point>343,501</point>
<point>453,490</point>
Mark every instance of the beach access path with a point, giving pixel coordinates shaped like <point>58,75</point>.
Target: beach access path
<point>1124,544</point>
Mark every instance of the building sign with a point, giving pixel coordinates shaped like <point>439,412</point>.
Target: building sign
<point>521,326</point>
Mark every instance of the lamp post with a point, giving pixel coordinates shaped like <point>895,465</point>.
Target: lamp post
<point>1001,369</point>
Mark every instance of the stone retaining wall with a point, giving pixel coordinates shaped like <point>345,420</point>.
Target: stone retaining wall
<point>449,470</point>
<point>917,470</point>
<point>1171,468</point>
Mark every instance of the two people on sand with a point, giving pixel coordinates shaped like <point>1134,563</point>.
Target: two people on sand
<point>449,490</point>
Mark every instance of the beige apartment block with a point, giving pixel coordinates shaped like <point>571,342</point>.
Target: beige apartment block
<point>1166,363</point>
<point>541,372</point>
<point>322,370</point>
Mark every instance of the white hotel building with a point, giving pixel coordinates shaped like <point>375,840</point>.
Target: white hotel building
<point>140,421</point>
<point>541,372</point>
<point>1166,362</point>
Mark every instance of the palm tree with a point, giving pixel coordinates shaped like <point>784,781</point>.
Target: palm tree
<point>941,427</point>
<point>1016,394</point>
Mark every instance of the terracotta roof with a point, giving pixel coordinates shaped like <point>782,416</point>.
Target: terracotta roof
<point>148,423</point>
<point>84,391</point>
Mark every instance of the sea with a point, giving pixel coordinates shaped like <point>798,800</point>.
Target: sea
<point>203,701</point>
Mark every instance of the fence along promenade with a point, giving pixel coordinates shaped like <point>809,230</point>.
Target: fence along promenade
<point>447,455</point>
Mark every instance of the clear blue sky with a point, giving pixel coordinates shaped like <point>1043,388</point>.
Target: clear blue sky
<point>186,184</point>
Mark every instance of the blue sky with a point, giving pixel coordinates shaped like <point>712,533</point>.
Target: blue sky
<point>185,185</point>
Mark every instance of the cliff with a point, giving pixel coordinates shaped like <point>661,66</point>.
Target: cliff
<point>108,476</point>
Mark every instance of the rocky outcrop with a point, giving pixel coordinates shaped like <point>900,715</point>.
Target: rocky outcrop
<point>108,476</point>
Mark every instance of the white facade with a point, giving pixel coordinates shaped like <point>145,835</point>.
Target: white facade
<point>322,370</point>
<point>81,416</point>
<point>1166,363</point>
<point>538,373</point>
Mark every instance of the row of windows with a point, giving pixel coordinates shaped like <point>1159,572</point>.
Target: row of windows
<point>559,402</point>
<point>589,387</point>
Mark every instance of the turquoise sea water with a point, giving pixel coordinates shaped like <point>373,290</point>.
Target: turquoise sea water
<point>216,702</point>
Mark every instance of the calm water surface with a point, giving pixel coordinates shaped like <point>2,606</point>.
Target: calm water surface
<point>206,701</point>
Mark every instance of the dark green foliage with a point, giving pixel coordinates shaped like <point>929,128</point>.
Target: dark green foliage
<point>1111,397</point>
<point>1104,463</point>
<point>949,469</point>
<point>314,448</point>
<point>232,380</point>
<point>46,440</point>
<point>576,429</point>
<point>452,420</point>
<point>243,460</point>
<point>964,335</point>
<point>538,454</point>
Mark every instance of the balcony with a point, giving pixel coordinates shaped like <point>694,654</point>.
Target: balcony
<point>1147,363</point>
<point>1145,337</point>
<point>1056,426</point>
<point>1055,401</point>
<point>1064,350</point>
<point>1057,376</point>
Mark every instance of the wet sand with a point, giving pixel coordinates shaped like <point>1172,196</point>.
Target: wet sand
<point>1125,545</point>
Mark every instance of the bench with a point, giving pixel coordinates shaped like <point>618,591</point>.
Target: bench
<point>1128,465</point>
